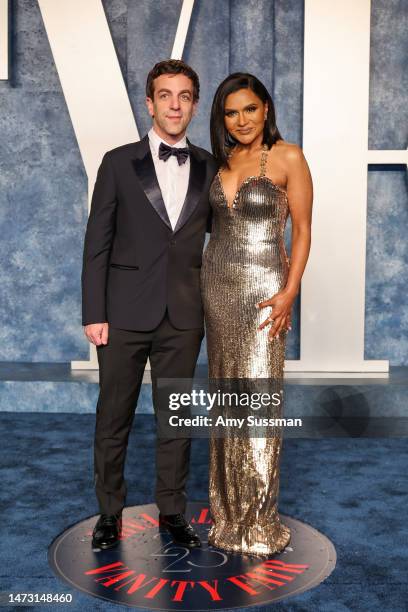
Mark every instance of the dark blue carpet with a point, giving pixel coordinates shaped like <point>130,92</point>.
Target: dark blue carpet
<point>354,490</point>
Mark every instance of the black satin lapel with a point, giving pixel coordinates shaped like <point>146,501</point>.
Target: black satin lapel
<point>146,174</point>
<point>194,191</point>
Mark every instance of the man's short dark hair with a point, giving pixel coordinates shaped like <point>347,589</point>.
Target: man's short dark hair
<point>172,66</point>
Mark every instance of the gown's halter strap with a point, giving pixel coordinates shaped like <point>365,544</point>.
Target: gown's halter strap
<point>264,158</point>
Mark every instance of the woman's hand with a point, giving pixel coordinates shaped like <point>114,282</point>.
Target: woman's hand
<point>280,318</point>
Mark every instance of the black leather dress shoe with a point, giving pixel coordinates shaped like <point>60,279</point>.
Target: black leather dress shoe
<point>107,531</point>
<point>181,531</point>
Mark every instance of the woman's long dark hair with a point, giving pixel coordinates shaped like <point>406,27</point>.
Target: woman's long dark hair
<point>221,141</point>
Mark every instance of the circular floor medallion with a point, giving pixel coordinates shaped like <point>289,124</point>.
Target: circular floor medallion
<point>147,570</point>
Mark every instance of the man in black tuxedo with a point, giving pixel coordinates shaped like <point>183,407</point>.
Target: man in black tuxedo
<point>141,290</point>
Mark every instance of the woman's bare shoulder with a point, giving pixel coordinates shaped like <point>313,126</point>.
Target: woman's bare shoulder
<point>288,151</point>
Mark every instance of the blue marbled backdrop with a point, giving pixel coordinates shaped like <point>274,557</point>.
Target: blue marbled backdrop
<point>43,184</point>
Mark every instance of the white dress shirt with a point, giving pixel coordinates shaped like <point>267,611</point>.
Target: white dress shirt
<point>172,178</point>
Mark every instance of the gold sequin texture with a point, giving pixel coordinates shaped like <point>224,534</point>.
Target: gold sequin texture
<point>245,262</point>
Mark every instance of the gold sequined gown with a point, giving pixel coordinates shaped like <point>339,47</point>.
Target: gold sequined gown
<point>245,262</point>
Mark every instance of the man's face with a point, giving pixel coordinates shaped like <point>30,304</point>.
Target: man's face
<point>172,107</point>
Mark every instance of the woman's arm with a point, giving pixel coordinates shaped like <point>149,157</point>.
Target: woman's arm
<point>300,199</point>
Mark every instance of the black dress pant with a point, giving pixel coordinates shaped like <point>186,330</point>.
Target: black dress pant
<point>173,353</point>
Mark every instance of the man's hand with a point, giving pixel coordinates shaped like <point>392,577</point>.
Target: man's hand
<point>97,333</point>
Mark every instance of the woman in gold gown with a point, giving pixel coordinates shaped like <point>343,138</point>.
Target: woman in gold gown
<point>246,272</point>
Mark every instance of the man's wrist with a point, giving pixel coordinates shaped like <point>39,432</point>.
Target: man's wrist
<point>95,323</point>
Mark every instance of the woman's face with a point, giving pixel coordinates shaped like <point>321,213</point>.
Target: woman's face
<point>244,115</point>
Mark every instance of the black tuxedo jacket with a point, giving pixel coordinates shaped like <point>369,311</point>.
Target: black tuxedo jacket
<point>134,265</point>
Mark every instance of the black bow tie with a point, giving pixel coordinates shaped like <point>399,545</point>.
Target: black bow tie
<point>165,151</point>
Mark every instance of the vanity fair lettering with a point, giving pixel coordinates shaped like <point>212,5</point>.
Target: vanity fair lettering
<point>268,575</point>
<point>152,572</point>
